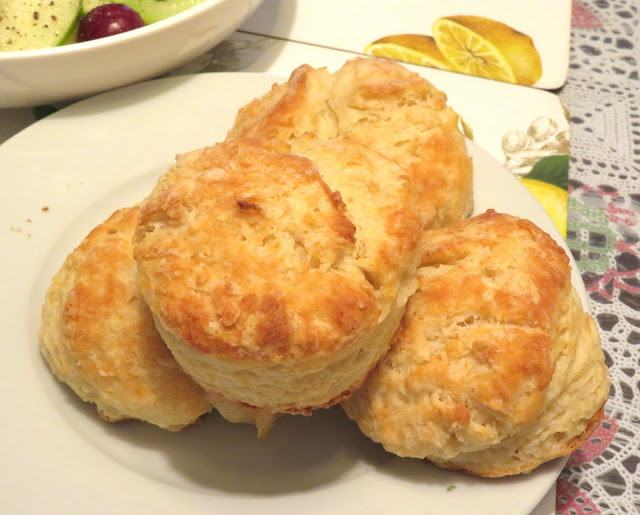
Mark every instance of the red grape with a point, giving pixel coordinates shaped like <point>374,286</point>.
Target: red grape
<point>108,20</point>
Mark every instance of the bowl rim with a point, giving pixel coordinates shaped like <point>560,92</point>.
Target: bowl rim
<point>115,40</point>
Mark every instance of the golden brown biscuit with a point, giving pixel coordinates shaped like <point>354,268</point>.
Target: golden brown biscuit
<point>240,413</point>
<point>98,335</point>
<point>381,104</point>
<point>495,368</point>
<point>277,279</point>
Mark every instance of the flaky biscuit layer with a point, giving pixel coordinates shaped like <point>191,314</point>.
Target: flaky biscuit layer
<point>385,106</point>
<point>495,368</point>
<point>98,335</point>
<point>266,280</point>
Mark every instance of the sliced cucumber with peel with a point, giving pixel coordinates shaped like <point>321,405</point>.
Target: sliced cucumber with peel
<point>33,24</point>
<point>150,11</point>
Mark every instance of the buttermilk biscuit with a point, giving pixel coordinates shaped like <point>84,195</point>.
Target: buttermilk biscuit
<point>385,106</point>
<point>277,279</point>
<point>495,368</point>
<point>98,335</point>
<point>240,413</point>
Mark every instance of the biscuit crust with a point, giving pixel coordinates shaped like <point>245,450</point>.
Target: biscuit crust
<point>383,105</point>
<point>98,335</point>
<point>264,278</point>
<point>495,368</point>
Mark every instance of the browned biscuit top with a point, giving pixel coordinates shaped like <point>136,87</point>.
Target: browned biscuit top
<point>381,104</point>
<point>496,266</point>
<point>290,109</point>
<point>99,336</point>
<point>488,354</point>
<point>244,251</point>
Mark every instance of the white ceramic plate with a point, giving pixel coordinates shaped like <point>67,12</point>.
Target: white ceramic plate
<point>68,172</point>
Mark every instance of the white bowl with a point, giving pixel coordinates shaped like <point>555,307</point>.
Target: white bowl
<point>35,77</point>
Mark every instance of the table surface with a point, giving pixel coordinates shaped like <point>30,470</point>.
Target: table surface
<point>602,93</point>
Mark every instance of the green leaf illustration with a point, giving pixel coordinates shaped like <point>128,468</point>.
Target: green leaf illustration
<point>553,170</point>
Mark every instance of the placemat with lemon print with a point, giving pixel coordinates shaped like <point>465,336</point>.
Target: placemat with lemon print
<point>523,43</point>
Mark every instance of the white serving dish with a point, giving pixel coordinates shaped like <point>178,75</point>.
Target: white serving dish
<point>35,77</point>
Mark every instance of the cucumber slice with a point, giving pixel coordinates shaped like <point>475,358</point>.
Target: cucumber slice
<point>31,24</point>
<point>88,5</point>
<point>150,11</point>
<point>70,38</point>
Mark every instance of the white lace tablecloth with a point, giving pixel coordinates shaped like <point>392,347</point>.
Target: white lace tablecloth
<point>603,96</point>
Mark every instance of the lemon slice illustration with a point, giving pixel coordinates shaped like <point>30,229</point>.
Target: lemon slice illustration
<point>552,198</point>
<point>409,48</point>
<point>487,48</point>
<point>548,181</point>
